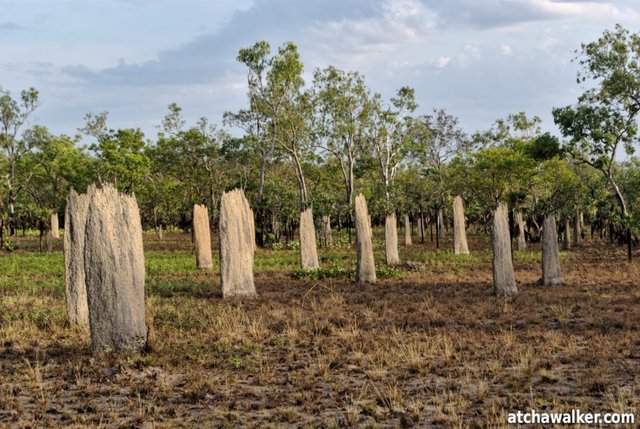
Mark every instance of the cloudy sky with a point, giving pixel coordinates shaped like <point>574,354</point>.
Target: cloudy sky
<point>479,59</point>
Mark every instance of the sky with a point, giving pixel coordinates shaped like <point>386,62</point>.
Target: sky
<point>481,60</point>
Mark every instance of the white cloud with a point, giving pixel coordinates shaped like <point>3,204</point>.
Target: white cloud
<point>467,55</point>
<point>442,62</point>
<point>580,9</point>
<point>506,50</point>
<point>355,40</point>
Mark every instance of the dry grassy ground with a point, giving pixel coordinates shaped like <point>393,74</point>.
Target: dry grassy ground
<point>427,348</point>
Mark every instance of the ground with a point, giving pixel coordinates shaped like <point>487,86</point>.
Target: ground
<point>427,346</point>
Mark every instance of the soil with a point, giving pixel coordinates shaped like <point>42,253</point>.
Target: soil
<point>431,348</point>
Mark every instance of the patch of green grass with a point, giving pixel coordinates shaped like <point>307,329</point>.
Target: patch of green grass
<point>32,264</point>
<point>276,260</point>
<point>168,263</point>
<point>382,271</point>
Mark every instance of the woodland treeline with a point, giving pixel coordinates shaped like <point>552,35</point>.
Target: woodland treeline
<point>316,144</point>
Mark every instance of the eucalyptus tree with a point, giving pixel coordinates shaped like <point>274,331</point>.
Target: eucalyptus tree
<point>56,164</point>
<point>343,111</point>
<point>277,116</point>
<point>390,140</point>
<point>438,138</point>
<point>14,115</point>
<point>604,120</point>
<point>120,154</point>
<point>193,157</point>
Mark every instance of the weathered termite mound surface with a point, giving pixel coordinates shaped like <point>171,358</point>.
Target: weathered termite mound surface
<point>407,231</point>
<point>365,265</point>
<point>391,239</point>
<point>326,231</point>
<point>522,242</point>
<point>237,245</point>
<point>308,246</point>
<point>55,226</point>
<point>75,220</point>
<point>551,273</point>
<point>460,246</point>
<point>114,272</point>
<point>504,282</point>
<point>202,237</point>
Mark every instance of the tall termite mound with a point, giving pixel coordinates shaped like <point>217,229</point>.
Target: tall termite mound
<point>504,282</point>
<point>365,266</point>
<point>114,272</point>
<point>237,245</point>
<point>551,274</point>
<point>391,239</point>
<point>577,229</point>
<point>308,246</point>
<point>326,231</point>
<point>202,237</point>
<point>460,246</point>
<point>407,231</point>
<point>566,239</point>
<point>522,242</point>
<point>55,226</point>
<point>75,219</point>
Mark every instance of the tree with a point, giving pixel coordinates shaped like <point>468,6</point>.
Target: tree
<point>390,137</point>
<point>273,119</point>
<point>438,138</point>
<point>13,116</point>
<point>56,164</point>
<point>390,143</point>
<point>343,110</point>
<point>192,157</point>
<point>605,117</point>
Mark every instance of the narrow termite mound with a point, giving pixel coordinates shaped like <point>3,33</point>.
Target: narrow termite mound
<point>237,245</point>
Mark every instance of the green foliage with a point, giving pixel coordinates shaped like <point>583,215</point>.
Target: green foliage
<point>605,116</point>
